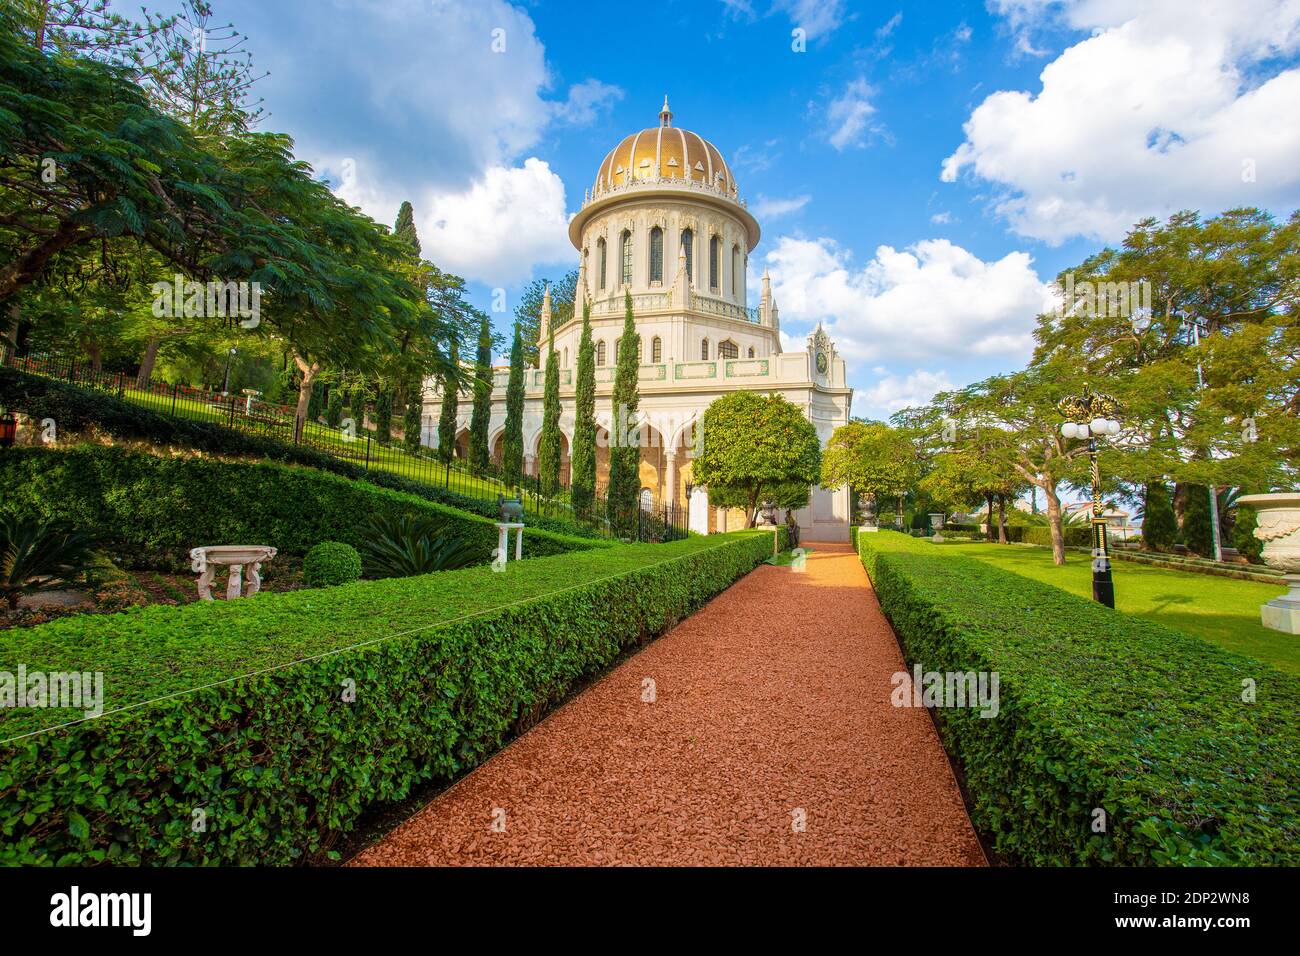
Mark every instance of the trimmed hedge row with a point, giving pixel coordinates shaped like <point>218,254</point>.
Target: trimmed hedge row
<point>312,706</point>
<point>158,508</point>
<point>1098,710</point>
<point>1075,536</point>
<point>76,409</point>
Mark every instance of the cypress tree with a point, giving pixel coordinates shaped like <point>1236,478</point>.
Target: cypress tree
<point>583,454</point>
<point>549,450</point>
<point>405,229</point>
<point>383,415</point>
<point>334,408</point>
<point>1243,534</point>
<point>624,447</point>
<point>447,414</point>
<point>1158,525</point>
<point>512,443</point>
<point>1198,533</point>
<point>479,453</point>
<point>412,420</point>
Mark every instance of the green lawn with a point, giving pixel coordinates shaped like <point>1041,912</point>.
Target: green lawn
<point>1223,610</point>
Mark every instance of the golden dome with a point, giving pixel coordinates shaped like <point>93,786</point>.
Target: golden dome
<point>664,152</point>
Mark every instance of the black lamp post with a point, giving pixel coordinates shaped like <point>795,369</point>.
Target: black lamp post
<point>1090,417</point>
<point>8,430</point>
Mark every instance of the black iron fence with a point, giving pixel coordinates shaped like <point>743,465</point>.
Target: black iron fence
<point>351,440</point>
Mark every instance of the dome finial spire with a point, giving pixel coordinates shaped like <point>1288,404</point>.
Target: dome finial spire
<point>665,114</point>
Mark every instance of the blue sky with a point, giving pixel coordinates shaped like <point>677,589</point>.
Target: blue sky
<point>921,171</point>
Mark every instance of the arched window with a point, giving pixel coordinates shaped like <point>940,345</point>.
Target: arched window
<point>735,271</point>
<point>565,363</point>
<point>688,243</point>
<point>617,343</point>
<point>656,255</point>
<point>627,258</point>
<point>656,350</point>
<point>704,350</point>
<point>638,350</point>
<point>600,255</point>
<point>751,351</point>
<point>715,244</point>
<point>647,499</point>
<point>600,352</point>
<point>728,350</point>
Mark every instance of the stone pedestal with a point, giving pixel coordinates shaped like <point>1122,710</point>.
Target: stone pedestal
<point>1279,529</point>
<point>205,561</point>
<point>503,540</point>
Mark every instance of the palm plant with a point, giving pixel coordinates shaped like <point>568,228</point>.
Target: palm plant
<point>406,545</point>
<point>36,557</point>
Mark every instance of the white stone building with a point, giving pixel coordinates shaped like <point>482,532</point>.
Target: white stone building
<point>663,220</point>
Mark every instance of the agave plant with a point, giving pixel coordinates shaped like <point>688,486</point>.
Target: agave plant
<point>37,557</point>
<point>406,545</point>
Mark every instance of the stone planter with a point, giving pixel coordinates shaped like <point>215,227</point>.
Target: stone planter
<point>205,561</point>
<point>1279,529</point>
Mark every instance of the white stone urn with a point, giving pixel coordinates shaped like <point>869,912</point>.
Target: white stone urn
<point>1279,529</point>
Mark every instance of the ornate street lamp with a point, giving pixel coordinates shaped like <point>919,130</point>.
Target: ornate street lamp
<point>1089,417</point>
<point>8,429</point>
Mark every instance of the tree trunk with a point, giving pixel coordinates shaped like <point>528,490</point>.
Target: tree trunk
<point>1054,522</point>
<point>147,361</point>
<point>1180,501</point>
<point>96,353</point>
<point>1002,519</point>
<point>988,520</point>
<point>29,267</point>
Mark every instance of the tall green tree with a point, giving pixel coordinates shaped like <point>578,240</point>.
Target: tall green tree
<point>1198,528</point>
<point>757,447</point>
<point>872,459</point>
<point>1159,529</point>
<point>383,414</point>
<point>550,450</point>
<point>480,456</point>
<point>529,311</point>
<point>447,413</point>
<point>582,456</point>
<point>404,229</point>
<point>512,442</point>
<point>412,420</point>
<point>624,449</point>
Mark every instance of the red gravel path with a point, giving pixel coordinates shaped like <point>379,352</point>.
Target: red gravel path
<point>774,698</point>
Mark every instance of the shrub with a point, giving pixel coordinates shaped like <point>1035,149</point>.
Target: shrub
<point>76,409</point>
<point>1075,536</point>
<point>407,545</point>
<point>1097,710</point>
<point>37,557</point>
<point>243,714</point>
<point>158,508</point>
<point>331,563</point>
<point>1243,534</point>
<point>1198,529</point>
<point>1159,527</point>
<point>334,408</point>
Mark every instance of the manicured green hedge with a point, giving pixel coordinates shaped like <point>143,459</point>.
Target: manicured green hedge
<point>158,508</point>
<point>1098,710</point>
<point>76,409</point>
<point>1075,536</point>
<point>445,667</point>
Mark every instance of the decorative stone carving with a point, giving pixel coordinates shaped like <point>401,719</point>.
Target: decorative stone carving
<point>1279,529</point>
<point>205,561</point>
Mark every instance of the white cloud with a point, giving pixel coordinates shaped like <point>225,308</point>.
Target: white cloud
<point>941,218</point>
<point>586,100</point>
<point>501,226</point>
<point>773,208</point>
<point>814,17</point>
<point>932,299</point>
<point>1169,104</point>
<point>892,393</point>
<point>888,26</point>
<point>849,115</point>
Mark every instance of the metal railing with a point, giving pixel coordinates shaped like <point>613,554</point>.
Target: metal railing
<point>352,441</point>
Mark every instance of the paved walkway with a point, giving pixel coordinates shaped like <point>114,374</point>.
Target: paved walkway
<point>771,711</point>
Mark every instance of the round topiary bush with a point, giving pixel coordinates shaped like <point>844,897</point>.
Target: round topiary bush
<point>330,563</point>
